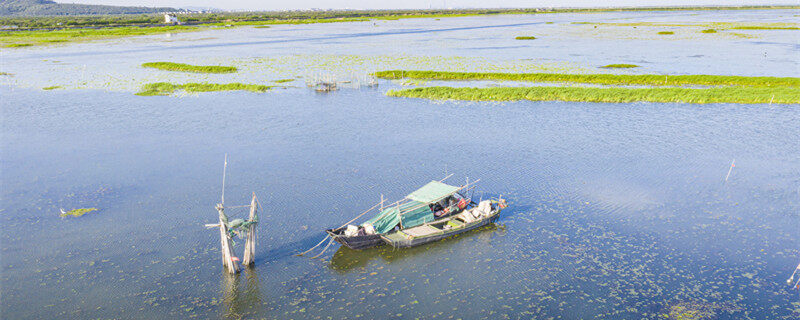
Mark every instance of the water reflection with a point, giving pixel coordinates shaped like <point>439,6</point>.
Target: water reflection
<point>346,259</point>
<point>241,294</point>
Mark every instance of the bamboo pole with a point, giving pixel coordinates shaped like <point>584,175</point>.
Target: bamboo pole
<point>227,248</point>
<point>250,244</point>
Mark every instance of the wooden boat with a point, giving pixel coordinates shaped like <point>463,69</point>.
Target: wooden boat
<point>485,213</point>
<point>433,202</point>
<point>356,242</point>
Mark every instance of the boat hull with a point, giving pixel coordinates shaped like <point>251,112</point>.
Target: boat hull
<point>417,241</point>
<point>355,242</point>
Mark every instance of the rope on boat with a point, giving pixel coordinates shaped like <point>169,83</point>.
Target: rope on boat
<point>312,248</point>
<point>323,250</point>
<point>346,223</point>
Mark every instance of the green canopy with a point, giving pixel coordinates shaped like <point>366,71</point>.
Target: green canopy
<point>432,192</point>
<point>390,217</point>
<point>413,212</point>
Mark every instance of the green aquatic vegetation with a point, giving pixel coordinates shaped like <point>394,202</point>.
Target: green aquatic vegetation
<point>22,38</point>
<point>665,32</point>
<point>165,88</point>
<point>619,65</point>
<point>182,67</point>
<point>525,38</point>
<point>606,79</point>
<point>691,311</point>
<point>709,31</point>
<point>78,212</point>
<point>283,80</point>
<point>261,27</point>
<point>51,88</point>
<point>764,28</point>
<point>745,95</point>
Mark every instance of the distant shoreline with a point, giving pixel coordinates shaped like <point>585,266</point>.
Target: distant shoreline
<point>43,30</point>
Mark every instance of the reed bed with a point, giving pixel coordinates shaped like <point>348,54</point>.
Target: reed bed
<point>182,67</point>
<point>619,66</point>
<point>525,38</point>
<point>605,79</point>
<point>743,95</point>
<point>165,88</point>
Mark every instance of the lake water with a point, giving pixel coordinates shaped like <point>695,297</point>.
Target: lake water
<point>618,211</point>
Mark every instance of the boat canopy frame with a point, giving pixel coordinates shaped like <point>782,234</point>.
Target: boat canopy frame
<point>413,210</point>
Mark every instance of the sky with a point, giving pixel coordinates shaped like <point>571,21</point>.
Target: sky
<point>412,4</point>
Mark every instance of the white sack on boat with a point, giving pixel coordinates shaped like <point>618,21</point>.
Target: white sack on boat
<point>351,230</point>
<point>369,228</point>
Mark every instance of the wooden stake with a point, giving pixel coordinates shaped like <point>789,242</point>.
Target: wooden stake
<point>225,245</point>
<point>250,244</point>
<point>733,164</point>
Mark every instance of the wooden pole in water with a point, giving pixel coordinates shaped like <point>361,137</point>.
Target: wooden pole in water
<point>225,244</point>
<point>733,164</point>
<point>250,244</point>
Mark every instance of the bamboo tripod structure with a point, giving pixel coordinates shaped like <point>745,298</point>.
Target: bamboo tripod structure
<point>229,260</point>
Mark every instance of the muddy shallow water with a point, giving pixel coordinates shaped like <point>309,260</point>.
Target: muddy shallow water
<point>617,210</point>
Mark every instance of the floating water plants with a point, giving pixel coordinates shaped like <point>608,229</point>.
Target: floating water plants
<point>525,38</point>
<point>592,94</point>
<point>165,88</point>
<point>665,32</point>
<point>283,80</point>
<point>182,67</point>
<point>607,79</point>
<point>76,212</point>
<point>709,31</point>
<point>51,88</point>
<point>619,66</point>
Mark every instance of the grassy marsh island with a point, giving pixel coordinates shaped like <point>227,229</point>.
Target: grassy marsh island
<point>604,79</point>
<point>165,88</point>
<point>77,212</point>
<point>709,31</point>
<point>182,67</point>
<point>25,38</point>
<point>51,88</point>
<point>744,95</point>
<point>619,66</point>
<point>665,32</point>
<point>525,38</point>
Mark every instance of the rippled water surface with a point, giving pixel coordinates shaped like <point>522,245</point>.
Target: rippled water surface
<point>618,211</point>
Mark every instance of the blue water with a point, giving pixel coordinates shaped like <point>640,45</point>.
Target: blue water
<point>617,210</point>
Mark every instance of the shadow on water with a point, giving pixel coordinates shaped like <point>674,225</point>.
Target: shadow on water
<point>241,294</point>
<point>346,259</point>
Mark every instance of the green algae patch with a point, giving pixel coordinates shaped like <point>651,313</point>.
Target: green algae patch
<point>665,32</point>
<point>77,212</point>
<point>744,95</point>
<point>182,67</point>
<point>283,80</point>
<point>605,79</point>
<point>619,66</point>
<point>165,88</point>
<point>525,38</point>
<point>709,31</point>
<point>764,28</point>
<point>51,88</point>
<point>24,38</point>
